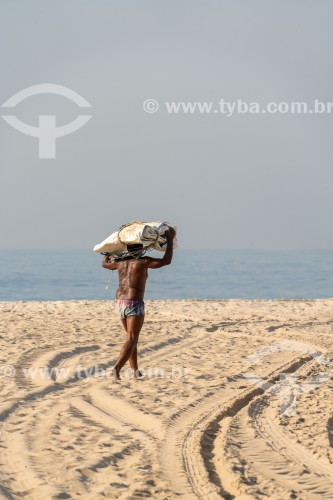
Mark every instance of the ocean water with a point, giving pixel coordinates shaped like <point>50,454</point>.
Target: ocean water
<point>199,274</point>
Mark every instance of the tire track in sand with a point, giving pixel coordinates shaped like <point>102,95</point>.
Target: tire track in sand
<point>23,463</point>
<point>270,456</point>
<point>186,453</point>
<point>267,452</point>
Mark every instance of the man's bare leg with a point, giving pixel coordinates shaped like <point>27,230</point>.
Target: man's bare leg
<point>133,359</point>
<point>129,349</point>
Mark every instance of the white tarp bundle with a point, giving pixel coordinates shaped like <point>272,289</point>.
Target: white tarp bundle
<point>149,234</point>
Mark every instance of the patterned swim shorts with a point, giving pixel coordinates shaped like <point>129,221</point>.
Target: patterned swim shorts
<point>127,307</point>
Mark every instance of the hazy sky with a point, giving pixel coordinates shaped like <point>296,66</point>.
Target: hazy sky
<point>246,181</point>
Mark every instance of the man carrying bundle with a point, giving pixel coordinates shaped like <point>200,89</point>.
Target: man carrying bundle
<point>133,274</point>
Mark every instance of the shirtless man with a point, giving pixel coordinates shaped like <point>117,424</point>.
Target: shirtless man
<point>133,274</point>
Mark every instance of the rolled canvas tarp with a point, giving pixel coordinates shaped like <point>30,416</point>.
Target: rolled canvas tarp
<point>149,234</point>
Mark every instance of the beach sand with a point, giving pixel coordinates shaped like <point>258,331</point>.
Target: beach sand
<point>197,425</point>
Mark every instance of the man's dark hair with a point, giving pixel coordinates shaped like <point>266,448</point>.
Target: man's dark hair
<point>134,247</point>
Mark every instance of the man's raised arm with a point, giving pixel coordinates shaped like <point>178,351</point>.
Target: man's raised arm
<point>167,258</point>
<point>108,264</point>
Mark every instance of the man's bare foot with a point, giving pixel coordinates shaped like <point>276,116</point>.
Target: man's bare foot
<point>116,373</point>
<point>139,374</point>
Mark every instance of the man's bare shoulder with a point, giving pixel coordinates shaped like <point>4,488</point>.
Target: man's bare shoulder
<point>149,260</point>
